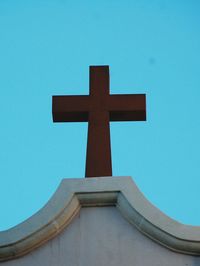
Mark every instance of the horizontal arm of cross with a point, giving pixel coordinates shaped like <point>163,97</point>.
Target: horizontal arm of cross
<point>70,108</point>
<point>127,107</point>
<point>121,107</point>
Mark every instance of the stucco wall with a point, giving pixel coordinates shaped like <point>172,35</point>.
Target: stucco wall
<point>101,236</point>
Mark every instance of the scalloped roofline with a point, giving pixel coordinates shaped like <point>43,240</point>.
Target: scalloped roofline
<point>72,194</point>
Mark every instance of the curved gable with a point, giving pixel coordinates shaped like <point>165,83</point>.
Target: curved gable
<point>73,194</point>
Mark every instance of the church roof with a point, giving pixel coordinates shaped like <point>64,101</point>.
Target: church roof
<point>72,194</point>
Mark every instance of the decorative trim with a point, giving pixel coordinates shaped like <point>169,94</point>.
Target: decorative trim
<point>73,194</point>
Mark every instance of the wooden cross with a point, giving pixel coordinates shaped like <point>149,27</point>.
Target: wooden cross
<point>98,108</point>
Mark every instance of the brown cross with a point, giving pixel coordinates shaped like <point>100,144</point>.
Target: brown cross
<point>98,108</point>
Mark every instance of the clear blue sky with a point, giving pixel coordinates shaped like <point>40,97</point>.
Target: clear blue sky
<point>152,47</point>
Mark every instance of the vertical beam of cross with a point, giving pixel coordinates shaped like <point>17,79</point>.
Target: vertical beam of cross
<point>98,160</point>
<point>98,109</point>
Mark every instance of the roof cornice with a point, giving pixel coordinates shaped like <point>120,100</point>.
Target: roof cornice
<point>72,194</point>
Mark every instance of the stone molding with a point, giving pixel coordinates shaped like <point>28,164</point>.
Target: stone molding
<point>72,194</point>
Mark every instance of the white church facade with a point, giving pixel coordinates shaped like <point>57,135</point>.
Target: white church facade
<point>100,221</point>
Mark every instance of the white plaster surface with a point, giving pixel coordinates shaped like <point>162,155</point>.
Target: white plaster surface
<point>100,236</point>
<point>74,194</point>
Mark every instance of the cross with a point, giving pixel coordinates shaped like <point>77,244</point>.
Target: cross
<point>98,108</point>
